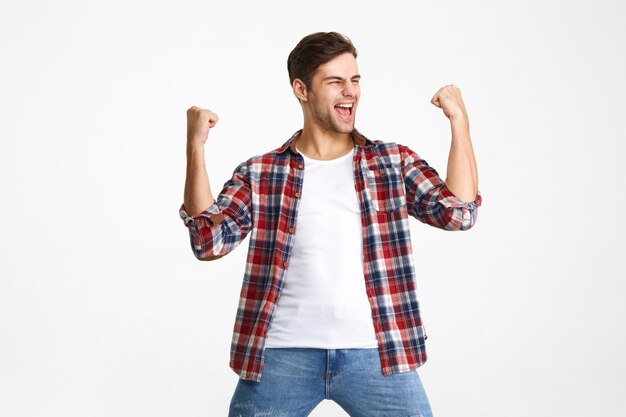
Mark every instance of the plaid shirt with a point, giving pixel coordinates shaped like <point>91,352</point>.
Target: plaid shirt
<point>391,182</point>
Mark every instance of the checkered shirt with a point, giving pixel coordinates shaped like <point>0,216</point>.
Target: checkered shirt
<point>261,199</point>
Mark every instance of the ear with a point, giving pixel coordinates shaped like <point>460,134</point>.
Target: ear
<point>300,90</point>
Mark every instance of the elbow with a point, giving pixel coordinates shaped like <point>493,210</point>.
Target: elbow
<point>462,219</point>
<point>206,250</point>
<point>467,220</point>
<point>442,209</point>
<point>209,244</point>
<point>462,216</point>
<point>206,254</point>
<point>465,227</point>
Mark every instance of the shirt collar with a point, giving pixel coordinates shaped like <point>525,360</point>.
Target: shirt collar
<point>357,138</point>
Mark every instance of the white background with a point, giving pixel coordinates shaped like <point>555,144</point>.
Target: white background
<point>104,311</point>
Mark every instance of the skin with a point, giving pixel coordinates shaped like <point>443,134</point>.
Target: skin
<point>462,174</point>
<point>198,195</point>
<point>326,132</point>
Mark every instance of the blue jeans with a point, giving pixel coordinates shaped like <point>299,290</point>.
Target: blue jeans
<point>296,380</point>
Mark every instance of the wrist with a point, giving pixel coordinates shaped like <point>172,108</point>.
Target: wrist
<point>460,116</point>
<point>195,148</point>
<point>459,123</point>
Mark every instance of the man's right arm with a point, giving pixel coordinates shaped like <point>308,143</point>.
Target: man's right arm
<point>198,196</point>
<point>216,227</point>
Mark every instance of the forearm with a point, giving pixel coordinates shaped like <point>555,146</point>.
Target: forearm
<point>462,174</point>
<point>198,196</point>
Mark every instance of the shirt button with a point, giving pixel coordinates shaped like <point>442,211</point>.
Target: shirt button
<point>291,230</point>
<point>285,264</point>
<point>300,166</point>
<point>297,195</point>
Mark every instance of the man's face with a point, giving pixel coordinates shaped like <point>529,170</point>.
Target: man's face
<point>334,94</point>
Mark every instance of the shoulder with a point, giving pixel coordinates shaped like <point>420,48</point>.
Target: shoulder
<point>390,152</point>
<point>265,162</point>
<point>384,147</point>
<point>392,148</point>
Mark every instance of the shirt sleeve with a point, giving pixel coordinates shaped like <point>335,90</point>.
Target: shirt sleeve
<point>224,224</point>
<point>428,198</point>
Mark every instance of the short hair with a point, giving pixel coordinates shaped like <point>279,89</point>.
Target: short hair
<point>314,50</point>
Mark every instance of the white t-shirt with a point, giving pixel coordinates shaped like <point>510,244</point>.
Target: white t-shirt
<point>324,303</point>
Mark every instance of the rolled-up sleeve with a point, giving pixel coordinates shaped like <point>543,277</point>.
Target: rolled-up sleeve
<point>224,224</point>
<point>428,198</point>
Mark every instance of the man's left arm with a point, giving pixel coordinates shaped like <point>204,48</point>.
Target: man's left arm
<point>451,204</point>
<point>462,174</point>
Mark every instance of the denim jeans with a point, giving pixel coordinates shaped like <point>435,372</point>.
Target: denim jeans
<point>296,380</point>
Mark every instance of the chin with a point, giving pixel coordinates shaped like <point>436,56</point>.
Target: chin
<point>347,129</point>
<point>343,128</point>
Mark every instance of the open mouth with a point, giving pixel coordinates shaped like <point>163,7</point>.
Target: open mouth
<point>344,109</point>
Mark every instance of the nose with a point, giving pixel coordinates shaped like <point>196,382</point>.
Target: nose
<point>349,89</point>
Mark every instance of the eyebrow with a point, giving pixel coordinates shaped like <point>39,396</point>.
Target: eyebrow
<point>336,77</point>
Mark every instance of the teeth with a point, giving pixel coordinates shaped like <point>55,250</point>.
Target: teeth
<point>347,106</point>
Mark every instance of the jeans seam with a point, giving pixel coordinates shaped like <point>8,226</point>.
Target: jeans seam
<point>327,375</point>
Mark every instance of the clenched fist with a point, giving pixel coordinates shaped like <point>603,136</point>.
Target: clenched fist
<point>199,121</point>
<point>449,99</point>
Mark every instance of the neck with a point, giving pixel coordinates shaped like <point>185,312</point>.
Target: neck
<point>318,143</point>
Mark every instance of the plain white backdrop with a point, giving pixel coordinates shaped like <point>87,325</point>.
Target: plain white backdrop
<point>104,311</point>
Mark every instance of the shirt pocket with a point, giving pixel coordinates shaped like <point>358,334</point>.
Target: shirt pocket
<point>385,189</point>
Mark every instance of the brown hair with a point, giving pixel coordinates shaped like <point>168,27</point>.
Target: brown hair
<point>314,50</point>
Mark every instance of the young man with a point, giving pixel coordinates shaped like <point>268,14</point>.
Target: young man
<point>328,306</point>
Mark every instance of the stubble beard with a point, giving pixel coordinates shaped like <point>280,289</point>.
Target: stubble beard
<point>328,122</point>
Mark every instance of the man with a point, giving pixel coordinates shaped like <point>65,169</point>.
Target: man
<point>328,306</point>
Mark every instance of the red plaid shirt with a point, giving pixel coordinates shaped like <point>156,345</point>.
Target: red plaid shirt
<point>391,182</point>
